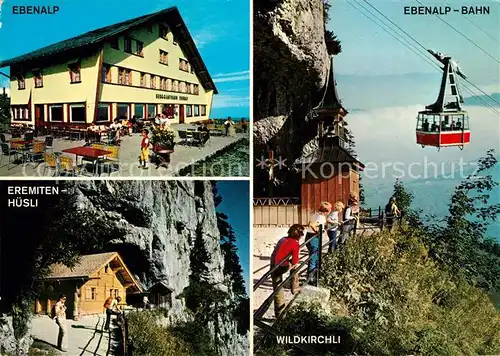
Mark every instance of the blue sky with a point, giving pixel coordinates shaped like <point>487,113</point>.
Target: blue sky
<point>371,57</point>
<point>219,27</point>
<point>236,205</point>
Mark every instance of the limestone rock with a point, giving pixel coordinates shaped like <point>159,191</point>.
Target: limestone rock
<point>315,295</point>
<point>9,345</point>
<point>154,225</point>
<point>291,64</point>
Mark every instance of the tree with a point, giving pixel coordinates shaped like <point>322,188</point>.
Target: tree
<point>333,45</point>
<point>4,110</point>
<point>403,197</point>
<point>459,240</point>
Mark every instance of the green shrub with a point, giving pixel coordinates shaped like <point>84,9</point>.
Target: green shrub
<point>197,336</point>
<point>389,298</point>
<point>148,338</point>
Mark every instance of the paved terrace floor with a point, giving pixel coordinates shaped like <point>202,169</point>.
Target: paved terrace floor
<point>184,156</point>
<point>85,337</point>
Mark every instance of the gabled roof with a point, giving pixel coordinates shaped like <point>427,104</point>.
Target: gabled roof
<point>331,153</point>
<point>162,285</point>
<point>90,264</point>
<point>330,98</point>
<point>91,38</point>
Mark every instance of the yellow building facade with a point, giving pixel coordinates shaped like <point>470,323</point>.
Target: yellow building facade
<point>141,67</point>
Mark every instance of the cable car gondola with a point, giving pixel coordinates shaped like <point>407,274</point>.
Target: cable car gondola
<point>445,123</point>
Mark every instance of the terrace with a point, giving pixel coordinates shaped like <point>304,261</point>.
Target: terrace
<point>79,153</point>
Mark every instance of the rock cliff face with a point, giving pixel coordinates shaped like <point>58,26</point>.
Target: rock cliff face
<point>155,224</point>
<point>290,69</point>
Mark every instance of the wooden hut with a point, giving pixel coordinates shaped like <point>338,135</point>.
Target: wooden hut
<point>160,295</point>
<point>87,285</point>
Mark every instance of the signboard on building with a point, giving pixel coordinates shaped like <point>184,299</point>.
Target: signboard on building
<point>171,97</point>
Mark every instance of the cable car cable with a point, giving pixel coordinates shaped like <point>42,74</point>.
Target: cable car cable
<point>480,29</point>
<point>424,48</point>
<point>395,24</point>
<point>406,44</point>
<point>464,36</point>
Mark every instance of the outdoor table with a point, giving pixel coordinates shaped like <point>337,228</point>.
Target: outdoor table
<point>88,153</point>
<point>22,143</point>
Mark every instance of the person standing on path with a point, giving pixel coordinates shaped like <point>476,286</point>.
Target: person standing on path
<point>391,212</point>
<point>60,318</point>
<point>144,157</point>
<point>228,124</point>
<point>333,224</point>
<point>317,219</point>
<point>285,246</point>
<point>349,219</point>
<point>111,306</point>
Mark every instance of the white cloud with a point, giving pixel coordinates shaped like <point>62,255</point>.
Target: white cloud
<point>201,39</point>
<point>231,101</point>
<point>235,78</point>
<point>231,74</point>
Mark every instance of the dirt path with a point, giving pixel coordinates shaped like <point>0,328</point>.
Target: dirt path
<point>85,337</point>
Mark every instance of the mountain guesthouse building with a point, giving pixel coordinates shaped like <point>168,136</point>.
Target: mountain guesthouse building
<point>142,67</point>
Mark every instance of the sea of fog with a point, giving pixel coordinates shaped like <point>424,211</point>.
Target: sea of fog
<point>386,144</point>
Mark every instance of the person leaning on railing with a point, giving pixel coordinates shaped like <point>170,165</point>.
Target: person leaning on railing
<point>285,246</point>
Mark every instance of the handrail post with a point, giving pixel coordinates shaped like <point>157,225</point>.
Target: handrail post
<point>320,253</point>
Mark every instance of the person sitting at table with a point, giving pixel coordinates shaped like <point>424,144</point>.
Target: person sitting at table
<point>115,127</point>
<point>126,126</point>
<point>92,135</point>
<point>163,120</point>
<point>157,121</point>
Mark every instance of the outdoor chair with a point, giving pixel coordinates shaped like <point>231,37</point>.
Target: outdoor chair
<point>20,148</point>
<point>111,139</point>
<point>111,161</point>
<point>49,143</point>
<point>183,135</point>
<point>67,166</point>
<point>9,152</point>
<point>28,136</point>
<point>50,161</point>
<point>36,154</point>
<point>200,138</point>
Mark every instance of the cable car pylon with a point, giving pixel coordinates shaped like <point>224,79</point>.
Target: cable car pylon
<point>445,123</point>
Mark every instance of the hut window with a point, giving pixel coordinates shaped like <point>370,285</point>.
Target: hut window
<point>38,78</point>
<point>74,73</point>
<point>138,48</point>
<point>21,83</point>
<point>128,45</point>
<point>114,43</point>
<point>163,57</point>
<point>93,295</point>
<point>106,73</point>
<point>164,32</point>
